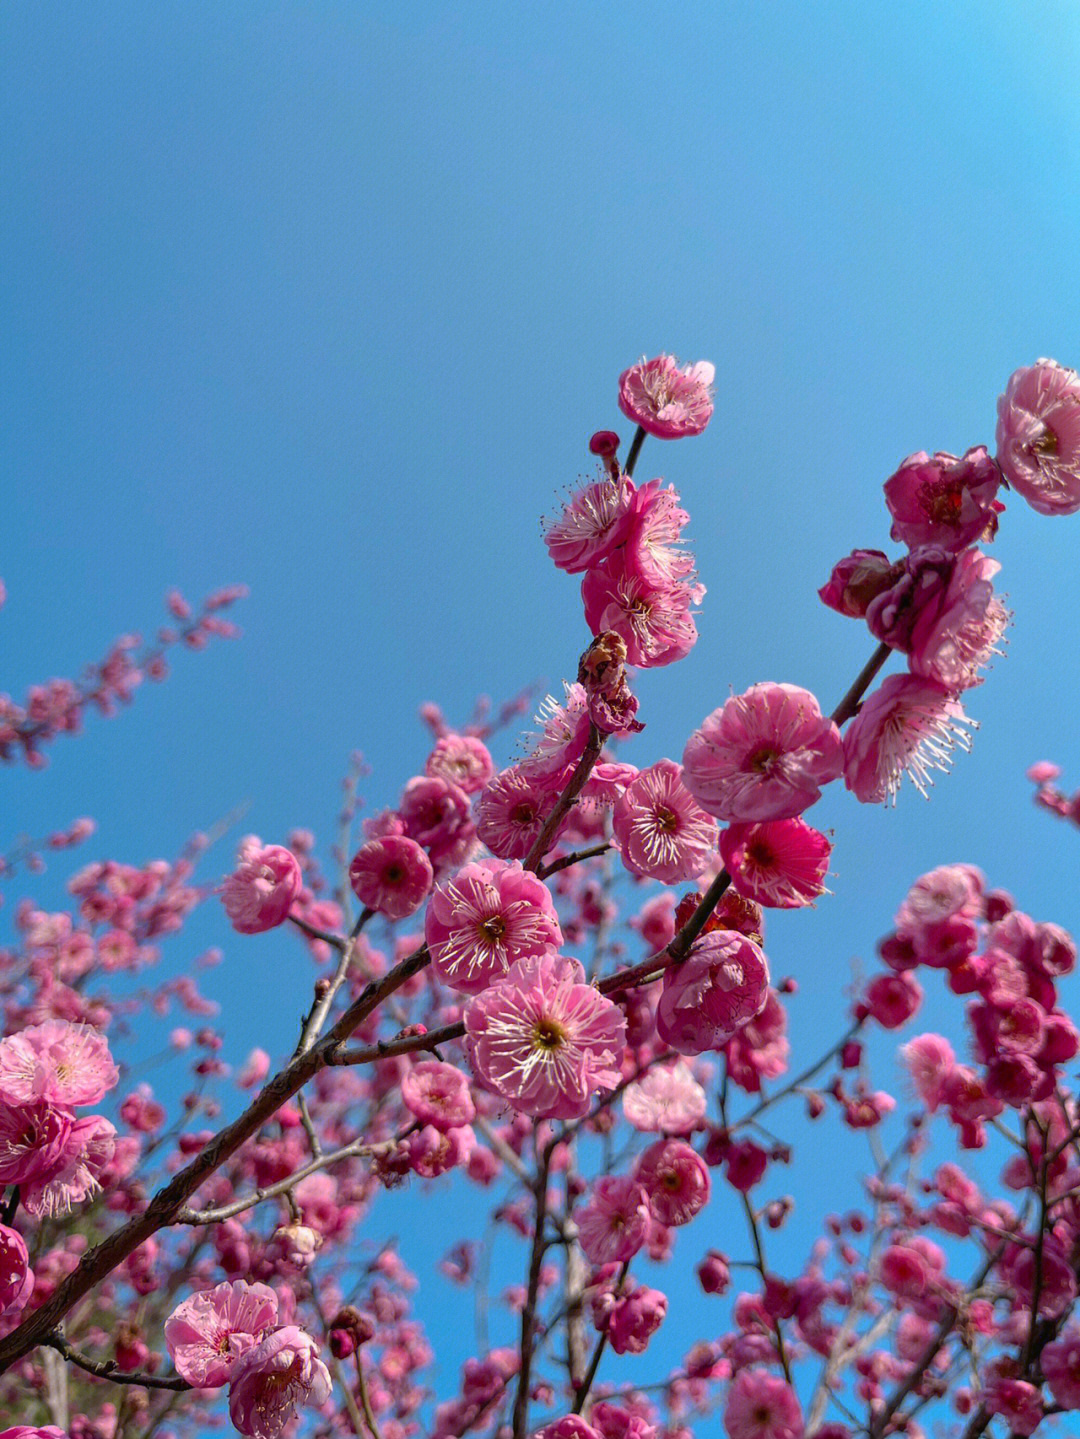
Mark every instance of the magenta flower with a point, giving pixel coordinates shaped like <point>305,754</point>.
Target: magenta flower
<point>208,1332</point>
<point>721,986</point>
<point>438,1094</point>
<point>436,814</point>
<point>763,755</point>
<point>635,1317</point>
<point>75,1174</point>
<point>563,739</point>
<point>271,1380</point>
<point>780,863</point>
<point>16,1276</point>
<point>33,1431</point>
<point>661,832</point>
<point>65,1064</point>
<point>613,1226</point>
<point>545,1039</point>
<point>761,1406</point>
<point>463,760</point>
<point>260,892</point>
<point>1038,436</point>
<point>511,813</point>
<point>1060,1364</point>
<point>856,580</point>
<point>942,500</point>
<point>665,401</point>
<point>391,875</point>
<point>33,1140</point>
<point>654,534</point>
<point>676,1179</point>
<point>668,1100</point>
<point>907,726</point>
<point>490,915</point>
<point>653,617</point>
<point>956,634</point>
<point>590,526</point>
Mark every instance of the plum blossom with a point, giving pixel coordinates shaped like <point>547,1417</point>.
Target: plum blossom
<point>944,500</point>
<point>75,1174</point>
<point>258,895</point>
<point>66,1064</point>
<point>676,1180</point>
<point>781,863</point>
<point>634,1319</point>
<point>490,915</point>
<point>511,813</point>
<point>16,1276</point>
<point>765,754</point>
<point>668,1100</point>
<point>438,1094</point>
<point>858,579</point>
<point>720,986</point>
<point>590,526</point>
<point>565,733</point>
<point>272,1379</point>
<point>207,1333</point>
<point>463,760</point>
<point>665,401</point>
<point>661,832</point>
<point>613,1226</point>
<point>652,616</point>
<point>1038,436</point>
<point>391,875</point>
<point>907,726</point>
<point>761,1406</point>
<point>545,1039</point>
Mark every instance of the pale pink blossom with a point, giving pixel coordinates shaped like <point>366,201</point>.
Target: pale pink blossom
<point>16,1276</point>
<point>545,1039</point>
<point>294,1246</point>
<point>944,500</point>
<point>206,1333</point>
<point>765,754</point>
<point>721,986</point>
<point>1038,436</point>
<point>65,1064</point>
<point>780,863</point>
<point>490,915</point>
<point>613,1225</point>
<point>463,760</point>
<point>761,1406</point>
<point>259,893</point>
<point>665,401</point>
<point>676,1180</point>
<point>511,813</point>
<point>590,526</point>
<point>952,891</point>
<point>391,876</point>
<point>438,1094</point>
<point>273,1379</point>
<point>653,617</point>
<point>907,726</point>
<point>256,1068</point>
<point>660,830</point>
<point>75,1174</point>
<point>668,1100</point>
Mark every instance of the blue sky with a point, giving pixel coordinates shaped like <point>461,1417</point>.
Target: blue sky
<point>328,298</point>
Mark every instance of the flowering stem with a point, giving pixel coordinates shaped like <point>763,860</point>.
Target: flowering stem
<point>635,450</point>
<point>568,859</point>
<point>528,1313</point>
<point>582,1391</point>
<point>565,802</point>
<point>849,705</point>
<point>107,1368</point>
<point>365,1399</point>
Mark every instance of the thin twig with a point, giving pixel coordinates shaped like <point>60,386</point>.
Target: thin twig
<point>107,1368</point>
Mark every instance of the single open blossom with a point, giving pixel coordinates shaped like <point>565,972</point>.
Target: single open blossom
<point>676,1179</point>
<point>780,863</point>
<point>436,814</point>
<point>490,915</point>
<point>273,1379</point>
<point>33,1140</point>
<point>65,1064</point>
<point>545,1039</point>
<point>761,1406</point>
<point>634,1319</point>
<point>259,893</point>
<point>763,755</point>
<point>391,875</point>
<point>661,832</point>
<point>652,616</point>
<point>907,726</point>
<point>16,1276</point>
<point>511,813</point>
<point>955,635</point>
<point>665,401</point>
<point>207,1333</point>
<point>613,1225</point>
<point>1038,436</point>
<point>1060,1364</point>
<point>590,526</point>
<point>654,533</point>
<point>437,1093</point>
<point>75,1174</point>
<point>720,986</point>
<point>667,1100</point>
<point>565,733</point>
<point>944,500</point>
<point>463,760</point>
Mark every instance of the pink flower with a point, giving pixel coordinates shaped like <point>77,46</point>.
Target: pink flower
<point>391,875</point>
<point>721,986</point>
<point>958,631</point>
<point>590,526</point>
<point>1060,1364</point>
<point>613,1225</point>
<point>907,726</point>
<point>436,814</point>
<point>1038,436</point>
<point>570,1426</point>
<point>669,1100</point>
<point>763,755</point>
<point>256,1068</point>
<point>654,534</point>
<point>676,1179</point>
<point>942,500</point>
<point>511,813</point>
<point>16,1276</point>
<point>273,1379</point>
<point>545,1039</point>
<point>31,1431</point>
<point>892,999</point>
<point>761,1406</point>
<point>652,616</point>
<point>661,832</point>
<point>259,894</point>
<point>858,579</point>
<point>635,1318</point>
<point>563,740</point>
<point>33,1140</point>
<point>665,401</point>
<point>781,863</point>
<point>66,1064</point>
<point>438,1094</point>
<point>1017,1401</point>
<point>490,915</point>
<point>74,1175</point>
<point>463,760</point>
<point>207,1333</point>
<point>952,891</point>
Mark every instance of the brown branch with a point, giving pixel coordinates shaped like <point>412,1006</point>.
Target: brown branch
<point>107,1368</point>
<point>528,1312</point>
<point>565,803</point>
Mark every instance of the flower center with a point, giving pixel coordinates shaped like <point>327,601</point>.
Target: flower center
<point>763,760</point>
<point>548,1034</point>
<point>523,813</point>
<point>394,874</point>
<point>493,928</point>
<point>666,819</point>
<point>1047,443</point>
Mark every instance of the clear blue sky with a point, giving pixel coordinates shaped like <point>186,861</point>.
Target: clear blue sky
<point>327,298</point>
